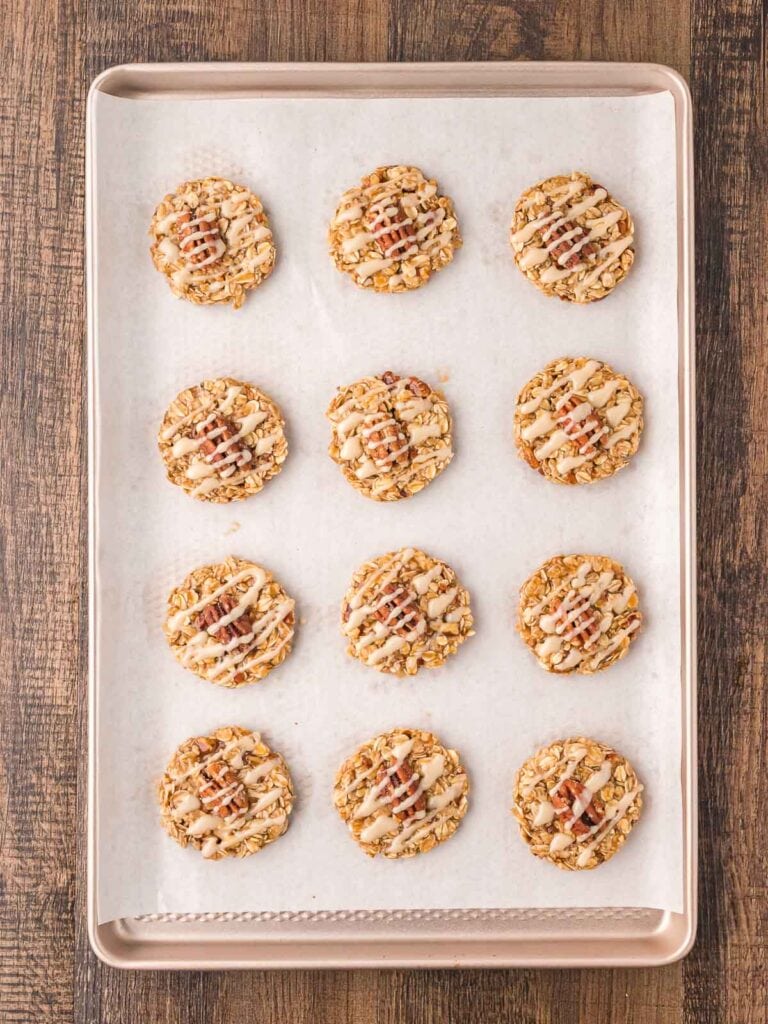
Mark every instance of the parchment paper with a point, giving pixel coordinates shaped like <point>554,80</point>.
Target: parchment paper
<point>483,330</point>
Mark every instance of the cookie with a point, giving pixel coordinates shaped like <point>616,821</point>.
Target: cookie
<point>576,802</point>
<point>571,238</point>
<point>231,623</point>
<point>405,610</point>
<point>402,793</point>
<point>578,421</point>
<point>226,794</point>
<point>222,440</point>
<point>391,435</point>
<point>394,230</point>
<point>578,613</point>
<point>212,241</point>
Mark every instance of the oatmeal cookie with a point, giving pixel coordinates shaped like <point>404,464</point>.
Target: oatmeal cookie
<point>401,793</point>
<point>394,230</point>
<point>391,435</point>
<point>578,421</point>
<point>212,240</point>
<point>578,613</point>
<point>405,610</point>
<point>571,238</point>
<point>576,802</point>
<point>222,440</point>
<point>231,623</point>
<point>226,794</point>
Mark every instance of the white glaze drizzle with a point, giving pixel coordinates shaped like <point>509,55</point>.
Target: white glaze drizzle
<point>178,619</point>
<point>239,743</point>
<point>607,825</point>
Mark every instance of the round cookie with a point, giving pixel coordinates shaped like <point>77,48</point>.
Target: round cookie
<point>571,238</point>
<point>576,802</point>
<point>231,623</point>
<point>226,794</point>
<point>222,440</point>
<point>578,613</point>
<point>578,421</point>
<point>212,241</point>
<point>402,793</point>
<point>405,610</point>
<point>391,435</point>
<point>394,230</point>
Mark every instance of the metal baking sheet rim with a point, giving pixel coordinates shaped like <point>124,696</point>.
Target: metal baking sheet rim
<point>512,938</point>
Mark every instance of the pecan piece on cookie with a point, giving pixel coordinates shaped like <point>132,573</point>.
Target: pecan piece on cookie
<point>222,793</point>
<point>400,610</point>
<point>222,444</point>
<point>574,245</point>
<point>385,440</point>
<point>587,430</point>
<point>398,789</point>
<point>199,239</point>
<point>574,802</point>
<point>391,228</point>
<point>213,613</point>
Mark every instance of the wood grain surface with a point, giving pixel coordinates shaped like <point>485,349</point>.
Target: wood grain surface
<point>51,52</point>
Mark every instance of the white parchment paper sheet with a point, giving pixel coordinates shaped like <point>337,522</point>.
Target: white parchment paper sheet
<point>484,330</point>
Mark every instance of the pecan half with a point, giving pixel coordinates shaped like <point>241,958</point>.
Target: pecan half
<point>199,238</point>
<point>400,611</point>
<point>413,384</point>
<point>385,440</point>
<point>589,248</point>
<point>211,614</point>
<point>222,444</point>
<point>581,630</point>
<point>418,387</point>
<point>221,792</point>
<point>392,230</point>
<point>564,799</point>
<point>587,431</point>
<point>405,782</point>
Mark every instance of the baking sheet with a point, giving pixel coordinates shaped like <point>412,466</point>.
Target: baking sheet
<point>484,330</point>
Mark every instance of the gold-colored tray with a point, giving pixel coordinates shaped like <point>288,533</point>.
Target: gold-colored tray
<point>434,938</point>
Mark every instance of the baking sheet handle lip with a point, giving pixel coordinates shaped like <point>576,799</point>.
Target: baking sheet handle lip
<point>687,312</point>
<point>95,931</point>
<point>372,957</point>
<point>683,103</point>
<point>108,81</point>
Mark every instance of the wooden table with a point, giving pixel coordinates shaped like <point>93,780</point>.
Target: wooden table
<point>47,971</point>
